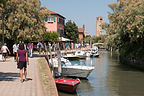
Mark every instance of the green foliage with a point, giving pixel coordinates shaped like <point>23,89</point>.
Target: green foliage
<point>23,19</point>
<point>51,36</point>
<point>126,29</point>
<point>71,31</point>
<point>3,2</point>
<point>87,39</point>
<point>100,39</point>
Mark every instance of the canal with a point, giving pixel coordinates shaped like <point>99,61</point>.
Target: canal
<point>110,78</point>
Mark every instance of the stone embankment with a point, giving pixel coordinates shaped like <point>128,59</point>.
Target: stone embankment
<point>132,62</point>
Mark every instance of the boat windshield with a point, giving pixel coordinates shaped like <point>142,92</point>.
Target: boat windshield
<point>78,63</point>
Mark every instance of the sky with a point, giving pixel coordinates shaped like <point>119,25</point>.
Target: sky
<point>81,11</point>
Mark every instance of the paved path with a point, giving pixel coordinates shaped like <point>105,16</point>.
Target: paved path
<point>10,84</point>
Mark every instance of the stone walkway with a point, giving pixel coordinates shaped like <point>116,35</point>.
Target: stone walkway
<point>10,84</point>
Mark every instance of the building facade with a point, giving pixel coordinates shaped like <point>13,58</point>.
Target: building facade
<point>99,30</point>
<point>55,23</point>
<point>81,32</point>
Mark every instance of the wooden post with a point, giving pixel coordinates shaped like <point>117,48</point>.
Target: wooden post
<point>59,60</point>
<point>90,44</point>
<point>54,46</point>
<point>51,59</point>
<point>65,49</point>
<point>47,56</point>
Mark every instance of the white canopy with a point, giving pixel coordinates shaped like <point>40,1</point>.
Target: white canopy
<point>64,39</point>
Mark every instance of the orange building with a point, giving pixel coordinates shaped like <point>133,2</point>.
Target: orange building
<point>55,23</point>
<point>81,32</point>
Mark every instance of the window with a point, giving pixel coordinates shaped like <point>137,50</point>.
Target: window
<point>60,20</point>
<point>62,31</point>
<point>57,29</point>
<point>51,19</point>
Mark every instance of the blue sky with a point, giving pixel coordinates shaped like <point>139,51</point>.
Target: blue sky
<point>81,11</point>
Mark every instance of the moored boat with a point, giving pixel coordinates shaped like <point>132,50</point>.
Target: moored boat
<point>94,54</point>
<point>76,55</point>
<point>73,70</point>
<point>67,85</point>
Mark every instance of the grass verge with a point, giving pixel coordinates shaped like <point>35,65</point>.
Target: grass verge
<point>44,76</point>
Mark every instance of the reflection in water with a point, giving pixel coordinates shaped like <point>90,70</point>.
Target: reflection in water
<point>109,78</point>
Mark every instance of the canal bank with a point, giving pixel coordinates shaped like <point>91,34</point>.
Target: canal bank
<point>138,64</point>
<point>46,78</point>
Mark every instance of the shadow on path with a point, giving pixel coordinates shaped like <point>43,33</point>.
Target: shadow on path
<point>8,76</point>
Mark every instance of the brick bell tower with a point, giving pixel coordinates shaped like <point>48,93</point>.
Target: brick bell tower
<point>99,30</point>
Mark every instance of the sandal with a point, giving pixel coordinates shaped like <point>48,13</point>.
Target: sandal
<point>21,81</point>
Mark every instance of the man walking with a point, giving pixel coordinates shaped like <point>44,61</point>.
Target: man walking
<point>30,48</point>
<point>39,47</point>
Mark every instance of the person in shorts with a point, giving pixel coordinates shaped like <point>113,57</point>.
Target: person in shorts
<point>30,48</point>
<point>22,60</point>
<point>15,50</point>
<point>4,50</point>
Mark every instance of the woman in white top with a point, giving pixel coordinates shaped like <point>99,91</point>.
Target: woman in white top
<point>4,50</point>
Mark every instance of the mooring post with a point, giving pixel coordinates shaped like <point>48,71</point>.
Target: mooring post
<point>47,56</point>
<point>59,60</point>
<point>51,59</point>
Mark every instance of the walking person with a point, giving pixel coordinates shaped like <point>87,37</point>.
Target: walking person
<point>22,61</point>
<point>30,48</point>
<point>15,50</point>
<point>4,50</point>
<point>42,48</point>
<point>39,47</point>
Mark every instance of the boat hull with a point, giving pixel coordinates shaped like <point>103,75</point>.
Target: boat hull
<point>76,72</point>
<point>67,88</point>
<point>67,85</point>
<point>94,55</point>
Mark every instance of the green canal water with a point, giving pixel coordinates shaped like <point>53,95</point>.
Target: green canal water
<point>110,78</point>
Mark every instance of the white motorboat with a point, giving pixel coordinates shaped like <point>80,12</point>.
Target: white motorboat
<point>94,54</point>
<point>76,55</point>
<point>71,56</point>
<point>88,53</point>
<point>80,54</point>
<point>73,70</point>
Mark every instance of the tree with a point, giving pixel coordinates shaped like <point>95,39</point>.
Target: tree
<point>24,19</point>
<point>3,2</point>
<point>126,28</point>
<point>100,39</point>
<point>71,31</point>
<point>87,39</point>
<point>51,36</point>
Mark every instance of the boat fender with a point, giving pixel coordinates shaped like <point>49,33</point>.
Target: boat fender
<point>78,79</point>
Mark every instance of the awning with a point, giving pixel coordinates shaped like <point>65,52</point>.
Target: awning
<point>64,39</point>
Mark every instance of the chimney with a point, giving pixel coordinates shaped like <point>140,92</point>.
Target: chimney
<point>83,27</point>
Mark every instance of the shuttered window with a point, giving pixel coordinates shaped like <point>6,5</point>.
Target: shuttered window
<point>51,19</point>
